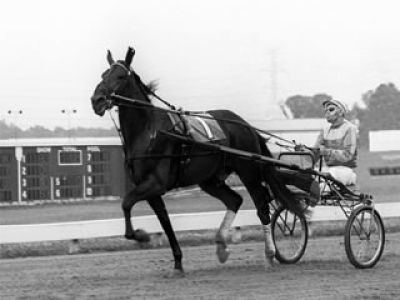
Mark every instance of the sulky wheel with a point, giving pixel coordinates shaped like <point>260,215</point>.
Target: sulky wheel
<point>290,235</point>
<point>364,237</point>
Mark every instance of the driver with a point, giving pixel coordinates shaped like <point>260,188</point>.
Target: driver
<point>337,143</point>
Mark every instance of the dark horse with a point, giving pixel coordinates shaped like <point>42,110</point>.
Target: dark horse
<point>153,176</point>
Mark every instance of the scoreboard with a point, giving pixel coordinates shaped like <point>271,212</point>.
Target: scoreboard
<point>98,172</point>
<point>61,171</point>
<point>35,171</point>
<point>67,172</point>
<point>8,175</point>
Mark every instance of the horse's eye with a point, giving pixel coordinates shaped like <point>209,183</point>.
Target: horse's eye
<point>121,77</point>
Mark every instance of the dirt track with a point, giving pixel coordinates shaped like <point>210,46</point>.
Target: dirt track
<point>324,272</point>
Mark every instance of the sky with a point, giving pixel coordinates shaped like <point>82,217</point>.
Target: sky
<point>247,56</point>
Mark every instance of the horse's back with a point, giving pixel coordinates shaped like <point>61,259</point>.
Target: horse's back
<point>240,134</point>
<point>227,114</point>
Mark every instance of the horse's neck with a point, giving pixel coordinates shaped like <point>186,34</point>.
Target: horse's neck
<point>136,127</point>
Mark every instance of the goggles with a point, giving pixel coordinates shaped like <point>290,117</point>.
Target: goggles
<point>330,108</point>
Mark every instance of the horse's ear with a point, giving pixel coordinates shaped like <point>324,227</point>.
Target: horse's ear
<point>129,56</point>
<point>110,59</point>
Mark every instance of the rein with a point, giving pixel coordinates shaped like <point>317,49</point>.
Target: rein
<point>149,91</point>
<point>119,131</point>
<point>126,101</point>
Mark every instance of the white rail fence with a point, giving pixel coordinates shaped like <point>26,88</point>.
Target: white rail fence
<point>180,222</point>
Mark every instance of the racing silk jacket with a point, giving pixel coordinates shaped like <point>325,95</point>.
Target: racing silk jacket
<point>341,141</point>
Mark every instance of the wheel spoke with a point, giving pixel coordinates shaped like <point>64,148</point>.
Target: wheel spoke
<point>364,237</point>
<point>290,235</point>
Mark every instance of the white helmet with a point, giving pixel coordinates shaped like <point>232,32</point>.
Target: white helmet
<point>342,106</point>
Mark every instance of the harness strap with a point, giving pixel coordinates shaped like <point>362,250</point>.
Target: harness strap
<point>121,137</point>
<point>149,91</point>
<point>178,123</point>
<point>184,156</point>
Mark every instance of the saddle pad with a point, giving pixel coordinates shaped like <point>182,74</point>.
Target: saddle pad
<point>201,129</point>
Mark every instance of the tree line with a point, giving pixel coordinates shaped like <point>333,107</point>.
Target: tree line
<point>12,131</point>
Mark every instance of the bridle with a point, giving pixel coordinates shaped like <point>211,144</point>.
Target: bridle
<point>144,89</point>
<point>109,92</point>
<point>128,70</point>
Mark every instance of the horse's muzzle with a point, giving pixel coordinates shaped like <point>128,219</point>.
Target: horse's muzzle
<point>100,104</point>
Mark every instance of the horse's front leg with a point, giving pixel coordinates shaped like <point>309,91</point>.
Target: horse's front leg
<point>139,235</point>
<point>158,206</point>
<point>144,190</point>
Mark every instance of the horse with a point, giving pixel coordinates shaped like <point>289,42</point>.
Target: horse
<point>160,169</point>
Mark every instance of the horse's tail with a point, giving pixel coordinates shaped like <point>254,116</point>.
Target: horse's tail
<point>282,194</point>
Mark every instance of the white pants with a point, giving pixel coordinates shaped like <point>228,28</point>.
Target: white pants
<point>343,174</point>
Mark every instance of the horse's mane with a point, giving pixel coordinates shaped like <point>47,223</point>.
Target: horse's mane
<point>148,89</point>
<point>152,86</point>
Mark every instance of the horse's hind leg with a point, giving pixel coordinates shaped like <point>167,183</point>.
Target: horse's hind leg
<point>261,198</point>
<point>232,200</point>
<point>158,206</point>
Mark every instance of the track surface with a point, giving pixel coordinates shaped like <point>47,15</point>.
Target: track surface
<point>323,273</point>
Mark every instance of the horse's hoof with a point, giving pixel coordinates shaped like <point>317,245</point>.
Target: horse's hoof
<point>269,263</point>
<point>141,236</point>
<point>176,273</point>
<point>222,253</point>
<point>130,236</point>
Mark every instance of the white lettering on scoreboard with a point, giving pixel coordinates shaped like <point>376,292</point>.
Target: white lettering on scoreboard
<point>93,149</point>
<point>69,148</point>
<point>43,149</point>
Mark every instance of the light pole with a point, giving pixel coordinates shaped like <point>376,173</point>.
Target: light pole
<point>15,113</point>
<point>69,112</point>
<point>18,151</point>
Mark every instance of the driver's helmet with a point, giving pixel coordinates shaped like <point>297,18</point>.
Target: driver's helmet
<point>341,105</point>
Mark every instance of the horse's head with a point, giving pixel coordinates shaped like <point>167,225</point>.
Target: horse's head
<point>114,80</point>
